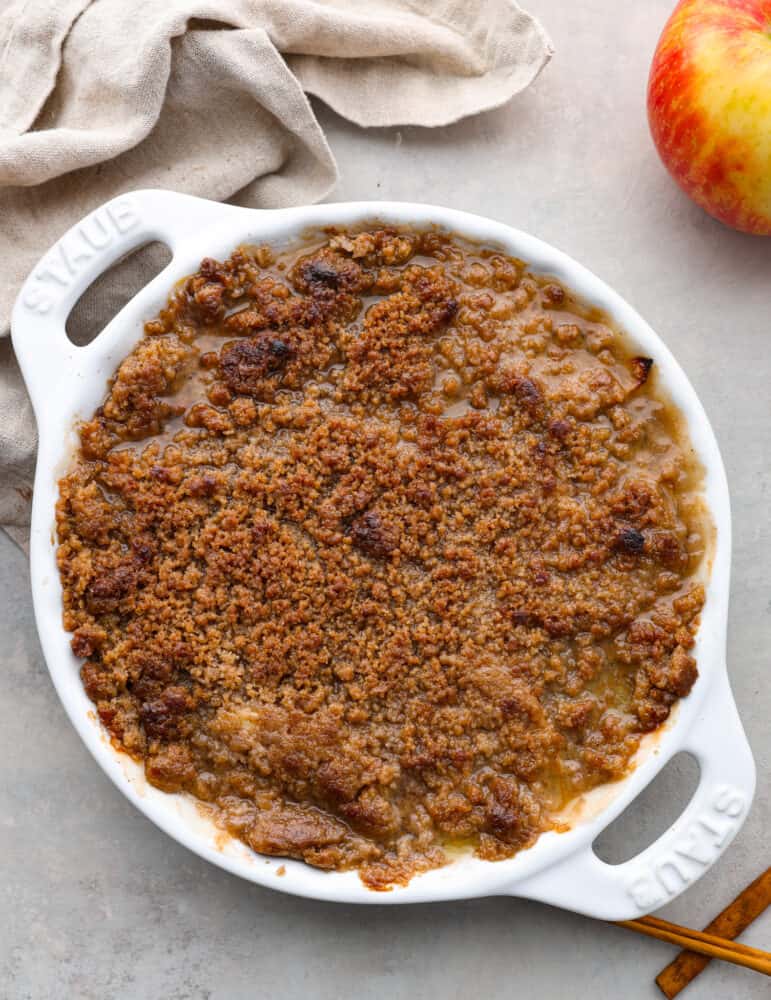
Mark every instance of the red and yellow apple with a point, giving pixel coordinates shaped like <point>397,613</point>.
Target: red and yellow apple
<point>709,107</point>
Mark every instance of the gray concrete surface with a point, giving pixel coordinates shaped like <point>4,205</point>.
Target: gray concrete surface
<point>97,903</point>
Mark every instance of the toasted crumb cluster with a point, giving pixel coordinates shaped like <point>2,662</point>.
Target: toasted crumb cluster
<point>381,545</point>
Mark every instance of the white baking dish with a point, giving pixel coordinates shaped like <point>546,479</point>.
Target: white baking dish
<point>66,383</point>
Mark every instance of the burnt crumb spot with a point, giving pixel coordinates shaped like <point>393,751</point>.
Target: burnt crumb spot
<point>524,389</point>
<point>319,272</point>
<point>431,317</point>
<point>259,532</point>
<point>370,534</point>
<point>422,495</point>
<point>328,278</point>
<point>631,541</point>
<point>557,627</point>
<point>279,352</point>
<point>143,551</point>
<point>87,640</point>
<point>559,429</point>
<point>641,369</point>
<point>438,305</point>
<point>202,486</point>
<point>161,716</point>
<point>504,814</point>
<point>247,362</point>
<point>444,313</point>
<point>105,593</point>
<point>156,668</point>
<point>502,820</point>
<point>554,294</point>
<point>527,392</point>
<point>541,454</point>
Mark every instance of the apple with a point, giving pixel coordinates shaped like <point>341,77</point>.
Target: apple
<point>709,107</point>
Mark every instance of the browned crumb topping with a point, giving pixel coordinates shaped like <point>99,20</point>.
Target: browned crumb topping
<point>378,546</point>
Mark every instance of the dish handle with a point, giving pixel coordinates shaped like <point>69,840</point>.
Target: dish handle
<point>84,252</point>
<point>583,883</point>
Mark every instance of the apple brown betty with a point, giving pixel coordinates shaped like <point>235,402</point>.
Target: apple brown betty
<point>380,546</point>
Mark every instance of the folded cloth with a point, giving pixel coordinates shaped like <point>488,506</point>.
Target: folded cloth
<point>209,97</point>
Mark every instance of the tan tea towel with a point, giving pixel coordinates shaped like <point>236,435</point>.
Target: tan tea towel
<point>209,97</point>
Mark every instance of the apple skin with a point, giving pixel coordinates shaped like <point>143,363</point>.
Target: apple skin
<point>709,107</point>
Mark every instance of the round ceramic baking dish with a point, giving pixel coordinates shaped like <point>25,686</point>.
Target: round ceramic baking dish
<point>66,384</point>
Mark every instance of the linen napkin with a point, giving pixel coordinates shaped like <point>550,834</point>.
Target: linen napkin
<point>210,97</point>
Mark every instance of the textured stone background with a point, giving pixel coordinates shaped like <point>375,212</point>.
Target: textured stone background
<point>97,903</point>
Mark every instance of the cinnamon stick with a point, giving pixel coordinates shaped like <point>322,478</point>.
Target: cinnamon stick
<point>704,944</point>
<point>735,918</point>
